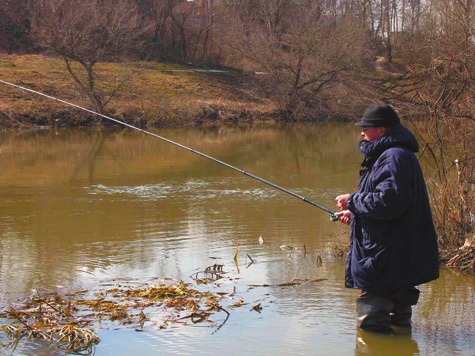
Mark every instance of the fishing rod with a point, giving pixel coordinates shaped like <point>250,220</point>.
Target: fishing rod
<point>333,216</point>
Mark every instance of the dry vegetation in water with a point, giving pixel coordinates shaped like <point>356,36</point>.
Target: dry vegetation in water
<point>69,321</point>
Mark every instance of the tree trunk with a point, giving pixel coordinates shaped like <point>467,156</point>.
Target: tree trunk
<point>387,18</point>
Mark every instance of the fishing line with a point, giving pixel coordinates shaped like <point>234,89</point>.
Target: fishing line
<point>333,217</point>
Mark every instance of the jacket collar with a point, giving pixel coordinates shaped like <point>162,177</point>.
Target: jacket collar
<point>398,136</point>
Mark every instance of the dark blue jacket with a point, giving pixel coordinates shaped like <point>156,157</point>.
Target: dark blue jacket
<point>393,240</point>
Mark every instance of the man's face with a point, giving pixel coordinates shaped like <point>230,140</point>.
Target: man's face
<point>372,133</point>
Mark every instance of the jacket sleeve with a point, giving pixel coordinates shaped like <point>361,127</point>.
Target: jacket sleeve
<point>390,185</point>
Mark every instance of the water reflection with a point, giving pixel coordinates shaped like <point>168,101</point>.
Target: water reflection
<point>85,208</point>
<point>401,343</point>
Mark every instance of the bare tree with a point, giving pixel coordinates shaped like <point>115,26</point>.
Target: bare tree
<point>156,13</point>
<point>87,32</point>
<point>440,82</point>
<point>15,25</point>
<point>305,48</point>
<point>180,16</point>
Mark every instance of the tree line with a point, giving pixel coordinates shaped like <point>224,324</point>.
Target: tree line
<point>317,55</point>
<point>308,48</point>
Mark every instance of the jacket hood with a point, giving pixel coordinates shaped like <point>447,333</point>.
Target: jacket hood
<point>399,136</point>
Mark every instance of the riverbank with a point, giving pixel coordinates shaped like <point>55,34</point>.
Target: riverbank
<point>146,94</point>
<point>152,94</point>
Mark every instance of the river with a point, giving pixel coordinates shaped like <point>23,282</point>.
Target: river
<point>87,209</point>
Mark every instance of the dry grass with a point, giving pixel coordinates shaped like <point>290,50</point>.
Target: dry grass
<point>154,94</point>
<point>68,321</point>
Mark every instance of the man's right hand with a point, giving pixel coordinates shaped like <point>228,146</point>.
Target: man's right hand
<point>344,216</point>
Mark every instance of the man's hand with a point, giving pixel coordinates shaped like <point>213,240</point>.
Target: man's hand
<point>344,216</point>
<point>342,201</point>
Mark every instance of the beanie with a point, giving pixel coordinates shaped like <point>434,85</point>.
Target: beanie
<point>379,116</point>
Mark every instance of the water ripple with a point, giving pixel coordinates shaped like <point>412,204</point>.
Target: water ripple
<point>201,190</point>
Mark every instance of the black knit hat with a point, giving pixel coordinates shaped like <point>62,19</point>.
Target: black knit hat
<point>379,116</point>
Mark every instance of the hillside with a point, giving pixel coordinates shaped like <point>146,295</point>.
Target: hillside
<point>144,93</point>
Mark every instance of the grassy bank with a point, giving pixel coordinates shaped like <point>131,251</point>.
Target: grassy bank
<point>143,93</point>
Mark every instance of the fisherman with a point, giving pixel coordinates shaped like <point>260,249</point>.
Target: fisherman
<point>393,245</point>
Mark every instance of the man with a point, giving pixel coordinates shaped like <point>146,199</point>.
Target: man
<point>393,245</point>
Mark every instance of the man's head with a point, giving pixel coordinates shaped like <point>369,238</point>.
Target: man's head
<point>375,121</point>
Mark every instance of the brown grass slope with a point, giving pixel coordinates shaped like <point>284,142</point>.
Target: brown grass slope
<point>144,93</point>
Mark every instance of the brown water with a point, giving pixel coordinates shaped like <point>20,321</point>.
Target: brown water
<point>84,209</point>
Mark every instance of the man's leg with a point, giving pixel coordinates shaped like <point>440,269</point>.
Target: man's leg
<point>401,315</point>
<point>372,312</point>
<point>403,300</point>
